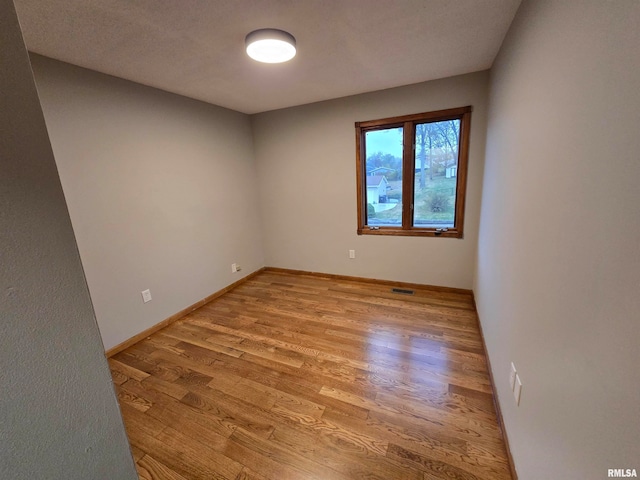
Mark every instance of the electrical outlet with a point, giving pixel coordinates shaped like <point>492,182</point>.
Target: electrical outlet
<point>512,376</point>
<point>352,254</point>
<point>517,390</point>
<point>146,296</point>
<point>234,267</point>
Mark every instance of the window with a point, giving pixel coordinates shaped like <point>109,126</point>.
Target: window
<point>412,173</point>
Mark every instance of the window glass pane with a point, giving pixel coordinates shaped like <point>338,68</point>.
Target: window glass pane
<point>383,150</point>
<point>436,174</point>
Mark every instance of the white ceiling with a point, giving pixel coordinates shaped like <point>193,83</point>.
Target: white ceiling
<point>196,47</point>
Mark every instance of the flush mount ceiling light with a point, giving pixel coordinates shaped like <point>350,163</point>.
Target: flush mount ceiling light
<point>269,45</point>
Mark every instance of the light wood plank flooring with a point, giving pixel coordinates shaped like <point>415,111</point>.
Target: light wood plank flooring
<point>301,377</point>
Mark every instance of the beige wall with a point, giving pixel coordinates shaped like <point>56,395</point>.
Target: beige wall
<point>306,165</point>
<point>558,272</point>
<point>59,416</point>
<point>161,191</point>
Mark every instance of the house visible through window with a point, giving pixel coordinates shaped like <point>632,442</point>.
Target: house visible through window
<point>412,173</point>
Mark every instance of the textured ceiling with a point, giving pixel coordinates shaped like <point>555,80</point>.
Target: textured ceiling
<point>196,47</point>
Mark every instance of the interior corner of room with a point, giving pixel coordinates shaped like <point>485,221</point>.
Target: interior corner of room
<point>185,200</point>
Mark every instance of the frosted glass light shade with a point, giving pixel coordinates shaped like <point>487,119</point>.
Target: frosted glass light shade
<point>270,45</point>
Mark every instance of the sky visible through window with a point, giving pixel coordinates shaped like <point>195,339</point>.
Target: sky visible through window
<point>384,141</point>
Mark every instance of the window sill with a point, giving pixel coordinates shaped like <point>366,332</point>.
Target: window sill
<point>413,232</point>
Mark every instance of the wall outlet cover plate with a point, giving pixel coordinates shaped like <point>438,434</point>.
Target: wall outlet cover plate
<point>517,390</point>
<point>512,376</point>
<point>146,296</point>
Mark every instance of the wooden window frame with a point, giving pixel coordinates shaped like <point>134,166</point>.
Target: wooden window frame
<point>408,122</point>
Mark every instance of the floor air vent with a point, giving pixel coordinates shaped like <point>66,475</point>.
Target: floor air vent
<point>402,291</point>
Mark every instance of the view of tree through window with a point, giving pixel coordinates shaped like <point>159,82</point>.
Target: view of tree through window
<point>412,173</point>
<point>436,167</point>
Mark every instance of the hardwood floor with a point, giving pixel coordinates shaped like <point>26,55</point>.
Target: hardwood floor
<point>299,377</point>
